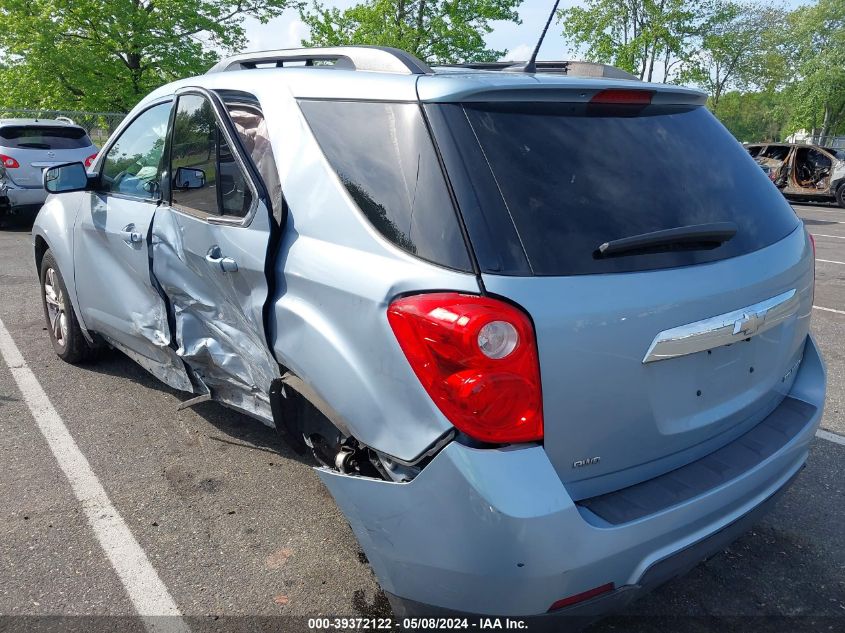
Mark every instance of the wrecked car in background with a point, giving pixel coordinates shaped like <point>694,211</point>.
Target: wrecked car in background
<point>803,172</point>
<point>27,148</point>
<point>530,392</point>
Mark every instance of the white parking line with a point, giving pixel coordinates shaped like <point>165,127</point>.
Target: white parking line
<point>829,310</point>
<point>838,237</point>
<point>830,437</point>
<point>147,592</point>
<point>830,261</point>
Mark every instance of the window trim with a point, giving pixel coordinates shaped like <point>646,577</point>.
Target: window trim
<point>224,125</point>
<point>97,168</point>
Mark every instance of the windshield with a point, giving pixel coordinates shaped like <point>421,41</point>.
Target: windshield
<point>43,137</point>
<point>574,176</point>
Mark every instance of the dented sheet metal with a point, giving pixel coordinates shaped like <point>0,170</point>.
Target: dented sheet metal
<point>117,295</point>
<point>217,315</point>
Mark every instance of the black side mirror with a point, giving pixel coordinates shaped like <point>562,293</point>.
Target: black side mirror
<point>188,178</point>
<point>65,178</point>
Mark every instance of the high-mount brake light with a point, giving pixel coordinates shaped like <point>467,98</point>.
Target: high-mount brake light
<point>477,359</point>
<point>90,160</point>
<point>622,96</point>
<point>9,162</point>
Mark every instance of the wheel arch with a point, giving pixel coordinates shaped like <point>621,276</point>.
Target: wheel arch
<point>53,231</point>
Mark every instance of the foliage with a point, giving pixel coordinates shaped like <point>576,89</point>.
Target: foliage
<point>436,31</point>
<point>732,51</point>
<point>107,54</point>
<point>639,35</point>
<point>813,52</point>
<point>753,116</point>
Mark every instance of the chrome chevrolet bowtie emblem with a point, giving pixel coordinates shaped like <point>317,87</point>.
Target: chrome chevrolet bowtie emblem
<point>749,323</point>
<point>724,329</point>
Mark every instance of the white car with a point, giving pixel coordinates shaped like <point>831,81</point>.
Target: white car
<point>27,147</point>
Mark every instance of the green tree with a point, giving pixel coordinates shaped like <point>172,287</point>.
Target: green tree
<point>638,35</point>
<point>436,31</point>
<point>753,116</point>
<point>733,50</point>
<point>813,54</point>
<point>107,54</point>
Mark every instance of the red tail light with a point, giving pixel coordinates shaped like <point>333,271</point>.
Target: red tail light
<point>623,97</point>
<point>477,359</point>
<point>90,160</point>
<point>812,243</point>
<point>9,162</point>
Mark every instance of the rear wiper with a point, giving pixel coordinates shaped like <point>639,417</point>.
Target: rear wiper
<point>34,145</point>
<point>693,237</point>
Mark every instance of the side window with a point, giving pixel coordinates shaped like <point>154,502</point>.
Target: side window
<point>206,176</point>
<point>252,130</point>
<point>383,155</point>
<point>133,164</point>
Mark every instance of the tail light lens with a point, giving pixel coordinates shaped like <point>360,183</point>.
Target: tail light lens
<point>813,244</point>
<point>619,96</point>
<point>90,160</point>
<point>476,357</point>
<point>9,162</point>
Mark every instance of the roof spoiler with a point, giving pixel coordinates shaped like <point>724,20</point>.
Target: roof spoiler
<point>570,68</point>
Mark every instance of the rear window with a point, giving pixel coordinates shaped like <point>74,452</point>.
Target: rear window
<point>382,153</point>
<point>43,137</point>
<point>574,176</point>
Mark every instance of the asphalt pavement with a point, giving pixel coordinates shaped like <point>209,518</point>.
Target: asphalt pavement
<point>235,527</point>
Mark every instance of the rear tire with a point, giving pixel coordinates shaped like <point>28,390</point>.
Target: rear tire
<point>65,334</point>
<point>840,195</point>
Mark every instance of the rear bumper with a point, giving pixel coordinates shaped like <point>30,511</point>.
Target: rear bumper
<point>494,532</point>
<point>23,199</point>
<point>674,565</point>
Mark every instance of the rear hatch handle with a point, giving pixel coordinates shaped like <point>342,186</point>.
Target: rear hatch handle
<point>723,329</point>
<point>693,237</point>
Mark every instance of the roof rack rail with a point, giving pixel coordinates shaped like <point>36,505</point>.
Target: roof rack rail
<point>373,58</point>
<point>572,68</point>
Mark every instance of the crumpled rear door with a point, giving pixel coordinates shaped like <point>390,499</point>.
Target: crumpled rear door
<point>210,247</point>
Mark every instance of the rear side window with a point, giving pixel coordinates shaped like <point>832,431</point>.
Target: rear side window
<point>574,176</point>
<point>382,152</point>
<point>44,137</point>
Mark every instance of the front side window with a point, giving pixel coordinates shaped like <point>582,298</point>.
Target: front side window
<point>132,165</point>
<point>206,177</point>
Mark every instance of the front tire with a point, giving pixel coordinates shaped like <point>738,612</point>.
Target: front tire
<point>65,334</point>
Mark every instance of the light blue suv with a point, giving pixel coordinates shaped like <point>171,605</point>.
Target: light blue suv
<point>547,333</point>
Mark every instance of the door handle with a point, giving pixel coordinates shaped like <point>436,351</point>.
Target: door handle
<point>216,258</point>
<point>130,235</point>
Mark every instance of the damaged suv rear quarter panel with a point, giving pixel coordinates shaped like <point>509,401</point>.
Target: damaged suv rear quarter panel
<point>335,277</point>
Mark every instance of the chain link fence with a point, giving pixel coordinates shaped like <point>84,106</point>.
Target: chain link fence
<point>99,125</point>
